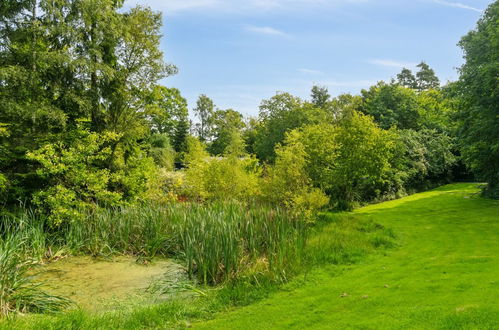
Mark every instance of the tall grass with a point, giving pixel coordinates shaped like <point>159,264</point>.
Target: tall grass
<point>217,242</point>
<point>19,291</point>
<point>225,242</point>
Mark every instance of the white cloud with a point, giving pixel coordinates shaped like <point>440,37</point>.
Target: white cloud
<point>392,63</point>
<point>310,71</point>
<point>265,30</point>
<point>457,5</point>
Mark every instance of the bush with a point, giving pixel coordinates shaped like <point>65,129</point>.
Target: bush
<point>288,184</point>
<point>346,160</point>
<point>235,176</point>
<point>223,178</point>
<point>89,169</point>
<point>162,152</point>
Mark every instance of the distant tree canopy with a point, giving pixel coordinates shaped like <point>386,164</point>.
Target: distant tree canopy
<point>84,122</point>
<point>425,78</point>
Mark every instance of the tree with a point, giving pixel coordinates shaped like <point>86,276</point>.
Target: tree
<point>288,183</point>
<point>224,124</point>
<point>166,109</point>
<point>320,96</point>
<point>204,111</point>
<point>426,78</point>
<point>392,105</point>
<point>479,110</point>
<point>347,158</point>
<point>407,79</point>
<point>66,64</point>
<point>279,115</point>
<point>180,136</point>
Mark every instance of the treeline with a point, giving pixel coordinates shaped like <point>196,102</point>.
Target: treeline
<point>84,123</point>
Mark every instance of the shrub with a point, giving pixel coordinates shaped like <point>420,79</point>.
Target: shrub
<point>288,183</point>
<point>235,176</point>
<point>345,160</point>
<point>223,178</point>
<point>162,152</point>
<point>89,169</point>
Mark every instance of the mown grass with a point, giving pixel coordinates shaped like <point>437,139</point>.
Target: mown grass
<point>443,273</point>
<point>273,249</point>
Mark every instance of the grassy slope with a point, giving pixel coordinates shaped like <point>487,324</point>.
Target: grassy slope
<point>444,273</point>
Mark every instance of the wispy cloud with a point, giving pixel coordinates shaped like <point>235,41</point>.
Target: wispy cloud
<point>267,30</point>
<point>392,63</point>
<point>310,71</point>
<point>457,5</point>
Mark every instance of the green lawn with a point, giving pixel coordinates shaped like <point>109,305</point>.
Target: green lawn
<point>443,274</point>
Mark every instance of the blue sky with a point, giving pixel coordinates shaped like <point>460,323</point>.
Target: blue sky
<point>239,52</point>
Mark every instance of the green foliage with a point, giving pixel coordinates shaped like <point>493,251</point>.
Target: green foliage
<point>162,151</point>
<point>180,136</point>
<point>320,96</point>
<point>62,62</point>
<point>279,115</point>
<point>407,79</point>
<point>196,151</point>
<point>423,157</point>
<point>288,183</point>
<point>225,123</point>
<point>204,111</point>
<point>424,80</point>
<point>166,110</point>
<point>345,159</point>
<point>479,90</point>
<point>223,178</point>
<point>79,177</point>
<point>19,291</point>
<point>437,109</point>
<point>3,183</point>
<point>392,105</point>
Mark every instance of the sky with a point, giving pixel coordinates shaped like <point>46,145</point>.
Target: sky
<point>239,52</point>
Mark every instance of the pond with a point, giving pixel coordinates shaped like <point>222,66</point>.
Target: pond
<point>103,284</point>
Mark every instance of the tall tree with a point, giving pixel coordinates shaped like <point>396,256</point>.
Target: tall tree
<point>479,87</point>
<point>320,96</point>
<point>407,79</point>
<point>64,63</point>
<point>224,125</point>
<point>204,111</point>
<point>180,136</point>
<point>392,105</point>
<point>166,109</point>
<point>426,78</point>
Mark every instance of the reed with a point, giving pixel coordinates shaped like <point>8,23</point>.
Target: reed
<point>218,242</point>
<point>19,290</point>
